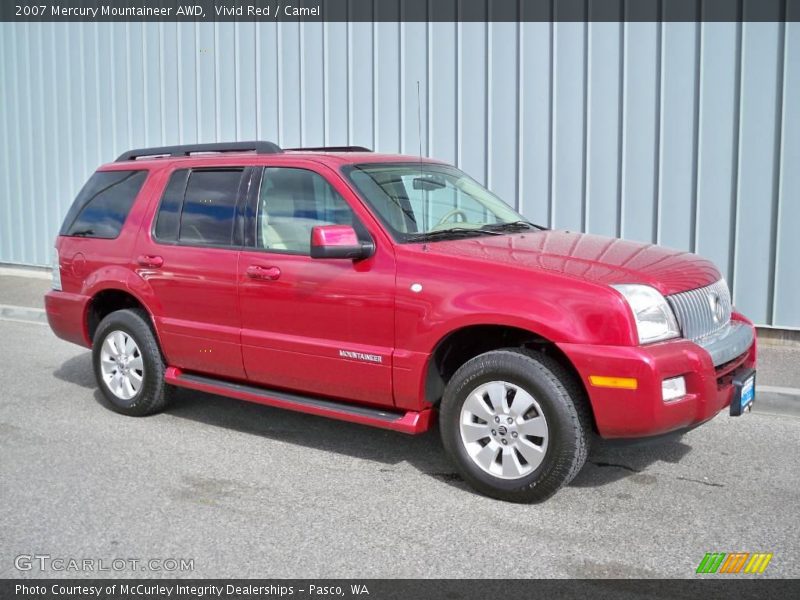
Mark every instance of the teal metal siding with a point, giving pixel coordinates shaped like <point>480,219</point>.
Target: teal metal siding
<point>685,134</point>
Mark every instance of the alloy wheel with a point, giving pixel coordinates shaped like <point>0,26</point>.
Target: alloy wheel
<point>121,365</point>
<point>504,430</point>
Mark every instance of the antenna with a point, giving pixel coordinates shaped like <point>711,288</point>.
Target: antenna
<point>419,125</point>
<point>425,211</point>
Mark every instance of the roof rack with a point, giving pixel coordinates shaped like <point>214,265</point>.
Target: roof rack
<point>332,149</point>
<point>187,150</point>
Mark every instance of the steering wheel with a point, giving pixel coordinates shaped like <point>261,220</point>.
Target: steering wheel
<point>450,214</point>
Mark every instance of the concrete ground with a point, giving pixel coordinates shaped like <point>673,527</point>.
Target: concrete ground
<point>23,291</point>
<point>247,490</point>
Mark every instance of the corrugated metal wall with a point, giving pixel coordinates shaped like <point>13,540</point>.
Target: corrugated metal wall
<point>679,133</point>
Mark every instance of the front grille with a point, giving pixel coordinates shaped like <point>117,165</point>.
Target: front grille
<point>703,311</point>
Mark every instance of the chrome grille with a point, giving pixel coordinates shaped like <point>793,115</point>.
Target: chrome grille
<point>703,311</point>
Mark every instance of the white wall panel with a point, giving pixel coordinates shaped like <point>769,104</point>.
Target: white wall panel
<point>682,133</point>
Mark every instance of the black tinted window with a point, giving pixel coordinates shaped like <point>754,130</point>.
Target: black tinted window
<point>103,204</point>
<point>169,211</point>
<point>209,207</point>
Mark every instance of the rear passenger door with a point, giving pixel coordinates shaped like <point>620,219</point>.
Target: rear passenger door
<point>189,256</point>
<point>324,327</point>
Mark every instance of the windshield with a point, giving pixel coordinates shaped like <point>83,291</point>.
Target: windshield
<point>419,201</point>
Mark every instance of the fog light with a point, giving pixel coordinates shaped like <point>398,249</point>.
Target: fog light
<point>672,389</point>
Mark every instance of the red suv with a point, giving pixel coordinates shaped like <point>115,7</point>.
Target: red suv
<point>384,290</point>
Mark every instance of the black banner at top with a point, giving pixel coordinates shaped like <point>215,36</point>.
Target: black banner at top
<point>399,10</point>
<point>737,588</point>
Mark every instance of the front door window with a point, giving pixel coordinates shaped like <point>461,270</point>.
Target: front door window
<point>293,201</point>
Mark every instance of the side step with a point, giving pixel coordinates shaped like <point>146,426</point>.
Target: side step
<point>409,422</point>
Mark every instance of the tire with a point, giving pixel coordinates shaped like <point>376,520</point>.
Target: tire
<point>144,364</point>
<point>537,458</point>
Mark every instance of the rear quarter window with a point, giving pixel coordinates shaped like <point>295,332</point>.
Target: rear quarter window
<point>103,204</point>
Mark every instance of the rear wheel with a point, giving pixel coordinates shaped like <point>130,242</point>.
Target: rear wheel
<point>128,364</point>
<point>516,424</point>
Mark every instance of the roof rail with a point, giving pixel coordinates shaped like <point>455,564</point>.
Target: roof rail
<point>186,150</point>
<point>331,149</point>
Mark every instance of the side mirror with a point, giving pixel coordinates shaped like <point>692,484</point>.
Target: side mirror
<point>338,241</point>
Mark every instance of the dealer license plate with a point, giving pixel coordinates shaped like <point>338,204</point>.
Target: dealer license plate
<point>744,393</point>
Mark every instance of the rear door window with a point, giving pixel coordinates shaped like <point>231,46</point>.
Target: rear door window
<point>103,204</point>
<point>209,207</point>
<point>199,207</point>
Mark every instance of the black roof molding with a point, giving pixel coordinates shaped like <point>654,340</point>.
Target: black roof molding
<point>186,150</point>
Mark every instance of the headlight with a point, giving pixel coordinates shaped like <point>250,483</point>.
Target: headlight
<point>655,320</point>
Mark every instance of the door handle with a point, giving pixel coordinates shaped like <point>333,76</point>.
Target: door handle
<point>149,260</point>
<point>265,273</point>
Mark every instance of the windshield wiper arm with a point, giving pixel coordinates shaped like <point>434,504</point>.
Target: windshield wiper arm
<point>512,226</point>
<point>451,232</point>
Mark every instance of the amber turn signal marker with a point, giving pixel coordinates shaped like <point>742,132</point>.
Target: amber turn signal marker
<point>623,383</point>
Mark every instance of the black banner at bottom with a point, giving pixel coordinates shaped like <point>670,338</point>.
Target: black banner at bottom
<point>380,589</point>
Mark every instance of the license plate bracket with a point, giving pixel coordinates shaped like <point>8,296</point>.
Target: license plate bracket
<point>744,392</point>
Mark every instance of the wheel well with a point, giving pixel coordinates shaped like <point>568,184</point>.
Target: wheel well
<point>106,302</point>
<point>467,343</point>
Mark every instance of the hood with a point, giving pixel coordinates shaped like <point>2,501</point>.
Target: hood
<point>588,257</point>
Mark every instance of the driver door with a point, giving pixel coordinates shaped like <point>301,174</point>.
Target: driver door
<point>323,327</point>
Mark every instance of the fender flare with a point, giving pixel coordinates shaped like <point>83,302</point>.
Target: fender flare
<point>121,279</point>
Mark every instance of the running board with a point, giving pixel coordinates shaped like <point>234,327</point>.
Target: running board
<point>409,422</point>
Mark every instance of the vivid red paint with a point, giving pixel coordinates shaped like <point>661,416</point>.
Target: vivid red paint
<point>334,235</point>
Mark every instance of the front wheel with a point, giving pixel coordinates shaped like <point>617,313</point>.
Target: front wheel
<point>516,424</point>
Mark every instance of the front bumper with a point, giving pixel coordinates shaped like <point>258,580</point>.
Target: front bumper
<point>641,412</point>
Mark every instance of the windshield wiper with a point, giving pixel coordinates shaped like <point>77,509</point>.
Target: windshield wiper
<point>82,233</point>
<point>512,226</point>
<point>452,232</point>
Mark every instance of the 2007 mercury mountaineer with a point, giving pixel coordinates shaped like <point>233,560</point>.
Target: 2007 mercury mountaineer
<point>384,290</point>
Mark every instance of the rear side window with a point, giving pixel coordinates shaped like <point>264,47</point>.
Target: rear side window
<point>199,207</point>
<point>103,204</point>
